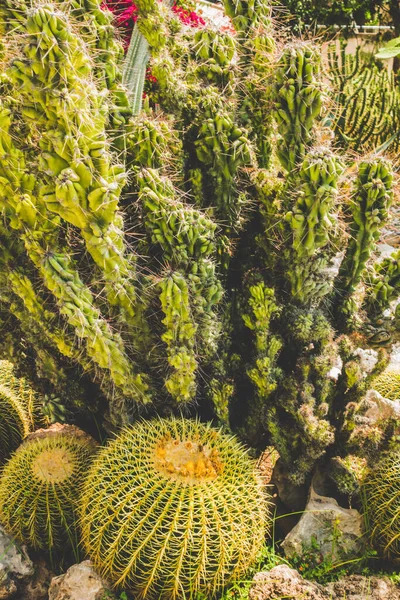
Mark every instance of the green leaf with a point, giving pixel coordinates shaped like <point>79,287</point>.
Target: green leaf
<point>388,52</point>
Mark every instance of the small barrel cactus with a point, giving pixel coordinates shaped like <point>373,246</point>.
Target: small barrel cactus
<point>40,487</point>
<point>388,384</point>
<point>171,508</point>
<point>17,407</point>
<point>382,504</point>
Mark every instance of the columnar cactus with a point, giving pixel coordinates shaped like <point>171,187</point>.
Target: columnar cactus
<point>173,508</point>
<point>368,213</point>
<point>298,101</point>
<point>367,102</point>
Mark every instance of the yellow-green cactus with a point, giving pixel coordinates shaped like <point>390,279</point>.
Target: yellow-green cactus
<point>381,496</point>
<point>388,384</point>
<point>172,508</point>
<point>41,484</point>
<point>18,405</point>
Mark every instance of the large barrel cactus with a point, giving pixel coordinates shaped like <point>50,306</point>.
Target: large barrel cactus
<point>40,487</point>
<point>388,384</point>
<point>382,504</point>
<point>172,508</point>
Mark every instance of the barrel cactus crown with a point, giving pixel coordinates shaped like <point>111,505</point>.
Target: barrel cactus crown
<point>17,407</point>
<point>382,504</point>
<point>172,508</point>
<point>388,384</point>
<point>41,484</point>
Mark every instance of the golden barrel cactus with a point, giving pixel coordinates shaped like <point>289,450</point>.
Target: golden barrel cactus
<point>17,408</point>
<point>388,384</point>
<point>171,508</point>
<point>40,487</point>
<point>381,499</point>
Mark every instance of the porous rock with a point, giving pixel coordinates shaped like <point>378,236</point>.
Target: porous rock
<point>37,587</point>
<point>380,408</point>
<point>80,582</point>
<point>337,531</point>
<point>357,587</point>
<point>15,566</point>
<point>284,582</point>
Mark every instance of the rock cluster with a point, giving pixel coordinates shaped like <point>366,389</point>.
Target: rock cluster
<point>284,582</point>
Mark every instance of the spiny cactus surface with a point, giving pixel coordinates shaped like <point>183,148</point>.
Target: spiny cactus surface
<point>18,403</point>
<point>382,504</point>
<point>388,384</point>
<point>367,101</point>
<point>172,508</point>
<point>41,484</point>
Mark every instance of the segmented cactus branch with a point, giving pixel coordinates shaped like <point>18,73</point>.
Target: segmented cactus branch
<point>298,101</point>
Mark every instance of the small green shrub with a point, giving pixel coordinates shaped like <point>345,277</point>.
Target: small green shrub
<point>40,487</point>
<point>173,508</point>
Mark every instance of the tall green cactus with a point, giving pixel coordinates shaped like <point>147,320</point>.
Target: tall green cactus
<point>298,101</point>
<point>369,211</point>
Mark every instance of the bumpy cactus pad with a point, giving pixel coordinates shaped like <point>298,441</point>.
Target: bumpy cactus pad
<point>172,508</point>
<point>17,402</point>
<point>41,484</point>
<point>382,505</point>
<point>388,385</point>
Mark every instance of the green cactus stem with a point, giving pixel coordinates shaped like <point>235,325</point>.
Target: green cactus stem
<point>298,101</point>
<point>369,206</point>
<point>312,221</point>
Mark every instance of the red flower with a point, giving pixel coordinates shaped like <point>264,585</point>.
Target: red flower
<point>128,16</point>
<point>188,17</point>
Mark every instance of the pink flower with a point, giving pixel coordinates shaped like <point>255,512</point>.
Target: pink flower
<point>128,16</point>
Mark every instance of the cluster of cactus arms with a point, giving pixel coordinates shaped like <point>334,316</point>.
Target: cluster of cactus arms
<point>187,252</point>
<point>366,100</point>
